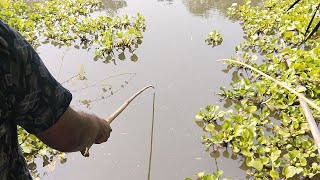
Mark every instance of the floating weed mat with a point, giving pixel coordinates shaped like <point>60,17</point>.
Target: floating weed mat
<point>70,22</point>
<point>265,125</point>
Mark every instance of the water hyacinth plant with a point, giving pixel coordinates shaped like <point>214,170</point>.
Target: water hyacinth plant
<point>213,176</point>
<point>265,124</point>
<point>214,38</point>
<point>70,22</point>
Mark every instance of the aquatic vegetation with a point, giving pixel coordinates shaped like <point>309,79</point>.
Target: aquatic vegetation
<point>70,22</point>
<point>265,124</point>
<point>33,148</point>
<point>311,21</point>
<point>213,176</point>
<point>214,38</point>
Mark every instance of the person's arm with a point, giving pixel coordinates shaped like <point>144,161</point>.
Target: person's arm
<point>75,131</point>
<point>39,103</point>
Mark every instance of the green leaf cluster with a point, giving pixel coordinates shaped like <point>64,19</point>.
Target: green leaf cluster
<point>33,148</point>
<point>266,126</point>
<point>214,38</point>
<point>213,176</point>
<point>71,22</point>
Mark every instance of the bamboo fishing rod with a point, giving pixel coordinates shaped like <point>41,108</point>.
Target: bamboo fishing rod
<point>116,114</point>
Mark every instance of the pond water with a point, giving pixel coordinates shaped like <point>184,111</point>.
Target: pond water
<point>175,59</point>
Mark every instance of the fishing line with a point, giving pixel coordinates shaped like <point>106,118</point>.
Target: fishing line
<point>151,139</point>
<point>62,59</point>
<point>109,77</point>
<point>101,96</point>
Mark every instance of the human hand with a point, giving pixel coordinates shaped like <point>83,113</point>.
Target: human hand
<point>103,133</point>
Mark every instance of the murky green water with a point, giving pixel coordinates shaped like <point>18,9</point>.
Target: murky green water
<point>175,59</point>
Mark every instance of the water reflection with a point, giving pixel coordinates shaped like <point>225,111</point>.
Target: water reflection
<point>112,7</point>
<point>203,8</point>
<point>168,1</point>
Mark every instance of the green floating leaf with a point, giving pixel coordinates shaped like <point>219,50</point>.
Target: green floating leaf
<point>257,164</point>
<point>289,171</point>
<point>122,56</point>
<point>208,177</point>
<point>134,58</point>
<point>274,174</point>
<point>200,123</point>
<point>252,109</point>
<point>209,128</point>
<point>210,108</point>
<point>275,155</point>
<point>301,89</point>
<point>200,174</point>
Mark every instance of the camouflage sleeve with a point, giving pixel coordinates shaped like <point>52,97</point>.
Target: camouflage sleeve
<point>38,100</point>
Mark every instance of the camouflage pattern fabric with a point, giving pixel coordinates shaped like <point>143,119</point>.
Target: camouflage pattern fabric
<point>29,97</point>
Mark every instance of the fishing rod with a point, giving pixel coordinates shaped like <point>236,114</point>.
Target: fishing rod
<point>116,114</point>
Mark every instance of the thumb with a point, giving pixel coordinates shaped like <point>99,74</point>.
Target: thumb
<point>85,152</point>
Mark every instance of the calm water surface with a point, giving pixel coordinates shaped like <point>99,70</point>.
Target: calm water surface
<point>175,59</point>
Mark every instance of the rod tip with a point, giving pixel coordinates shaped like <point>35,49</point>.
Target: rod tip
<point>150,86</point>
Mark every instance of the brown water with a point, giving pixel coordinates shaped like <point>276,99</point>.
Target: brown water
<point>175,59</point>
